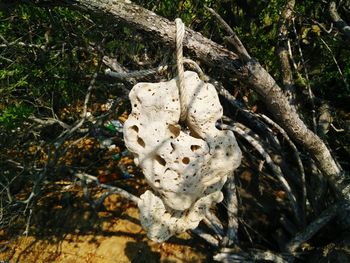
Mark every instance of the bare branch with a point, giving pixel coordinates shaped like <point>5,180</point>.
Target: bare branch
<point>110,188</point>
<point>339,22</point>
<point>315,226</point>
<point>232,212</point>
<point>336,63</point>
<point>207,237</point>
<point>252,73</point>
<point>214,223</point>
<point>274,168</point>
<point>307,82</point>
<point>283,51</point>
<point>232,38</point>
<point>254,255</point>
<point>298,160</point>
<point>135,74</point>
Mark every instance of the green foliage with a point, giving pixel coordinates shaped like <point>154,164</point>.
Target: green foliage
<point>47,55</point>
<point>55,51</point>
<point>256,23</point>
<point>12,115</point>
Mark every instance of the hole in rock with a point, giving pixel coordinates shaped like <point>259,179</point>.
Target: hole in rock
<point>195,148</point>
<point>135,128</point>
<point>174,130</point>
<point>141,142</point>
<point>160,160</point>
<point>172,147</point>
<point>157,183</point>
<point>186,160</point>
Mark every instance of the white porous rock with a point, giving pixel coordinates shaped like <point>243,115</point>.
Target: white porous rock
<point>186,168</point>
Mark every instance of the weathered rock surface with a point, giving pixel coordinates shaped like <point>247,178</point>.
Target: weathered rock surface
<point>186,168</point>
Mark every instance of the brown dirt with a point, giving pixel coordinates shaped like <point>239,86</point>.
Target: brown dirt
<point>70,233</point>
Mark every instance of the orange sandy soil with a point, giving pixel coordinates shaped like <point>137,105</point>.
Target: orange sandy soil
<point>69,233</point>
<point>64,227</point>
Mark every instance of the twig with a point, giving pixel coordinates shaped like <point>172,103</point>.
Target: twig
<point>26,231</point>
<point>232,38</point>
<point>48,121</point>
<point>282,51</point>
<point>6,59</point>
<point>253,255</point>
<point>339,22</point>
<point>274,168</point>
<point>197,68</point>
<point>68,132</point>
<point>232,212</point>
<point>336,63</point>
<point>135,74</point>
<point>214,223</point>
<point>299,162</point>
<point>53,159</point>
<point>22,44</point>
<point>8,193</point>
<point>207,237</point>
<point>231,256</point>
<point>314,227</point>
<point>112,189</point>
<point>229,97</point>
<point>249,116</point>
<point>311,95</point>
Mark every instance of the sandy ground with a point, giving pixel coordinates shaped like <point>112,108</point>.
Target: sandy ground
<point>72,235</point>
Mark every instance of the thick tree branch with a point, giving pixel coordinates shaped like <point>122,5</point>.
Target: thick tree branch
<point>213,54</point>
<point>283,50</point>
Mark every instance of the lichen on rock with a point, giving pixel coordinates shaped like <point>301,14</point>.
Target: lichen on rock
<point>186,168</point>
